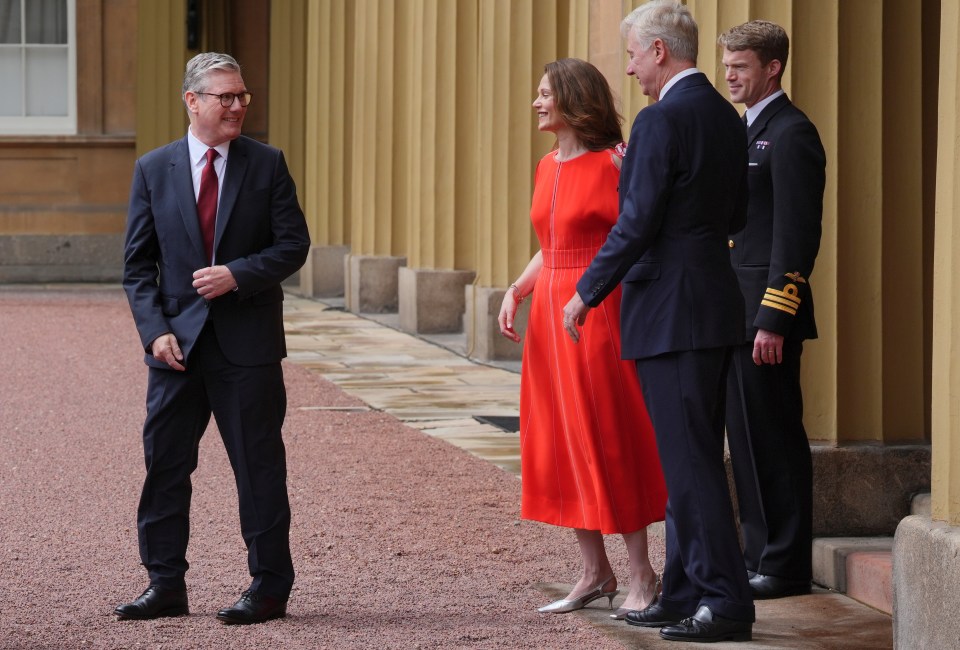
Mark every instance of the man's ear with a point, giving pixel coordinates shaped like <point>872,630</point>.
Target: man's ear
<point>775,66</point>
<point>659,49</point>
<point>190,99</point>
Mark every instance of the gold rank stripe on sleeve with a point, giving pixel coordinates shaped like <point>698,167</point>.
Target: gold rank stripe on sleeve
<point>786,300</point>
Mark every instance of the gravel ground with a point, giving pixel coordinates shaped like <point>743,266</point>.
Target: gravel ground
<point>399,540</point>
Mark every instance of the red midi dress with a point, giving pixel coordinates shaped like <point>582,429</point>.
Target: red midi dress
<point>587,450</point>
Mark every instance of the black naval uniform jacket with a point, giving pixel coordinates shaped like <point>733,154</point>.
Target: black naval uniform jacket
<point>773,255</point>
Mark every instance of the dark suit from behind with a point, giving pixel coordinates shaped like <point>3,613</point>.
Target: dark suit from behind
<point>773,257</point>
<point>682,191</point>
<point>232,348</point>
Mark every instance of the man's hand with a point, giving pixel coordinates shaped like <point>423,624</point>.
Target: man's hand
<point>767,348</point>
<point>166,349</point>
<point>213,281</point>
<point>574,313</point>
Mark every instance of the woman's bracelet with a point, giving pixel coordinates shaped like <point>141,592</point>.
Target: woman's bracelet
<point>517,294</point>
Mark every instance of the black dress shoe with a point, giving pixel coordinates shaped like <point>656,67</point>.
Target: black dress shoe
<point>253,607</point>
<point>767,587</point>
<point>707,627</point>
<point>155,602</point>
<point>656,615</point>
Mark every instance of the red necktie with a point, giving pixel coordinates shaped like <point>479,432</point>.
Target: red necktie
<point>207,203</point>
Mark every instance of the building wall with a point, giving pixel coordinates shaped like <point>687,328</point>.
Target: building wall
<point>408,128</point>
<point>63,198</point>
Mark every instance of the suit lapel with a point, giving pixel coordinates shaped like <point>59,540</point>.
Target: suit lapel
<point>236,170</point>
<point>759,124</point>
<point>181,176</point>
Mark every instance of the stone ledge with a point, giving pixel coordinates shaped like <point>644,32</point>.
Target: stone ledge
<point>865,490</point>
<point>431,301</point>
<point>920,504</point>
<point>484,340</point>
<point>925,575</point>
<point>61,258</point>
<point>371,284</point>
<point>322,275</point>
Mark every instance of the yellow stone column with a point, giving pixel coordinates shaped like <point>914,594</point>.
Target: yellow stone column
<point>905,362</point>
<point>288,62</point>
<point>925,568</point>
<point>945,411</point>
<point>814,82</point>
<point>329,120</point>
<point>328,116</point>
<point>516,39</point>
<point>860,240</point>
<point>161,57</point>
<point>431,286</point>
<point>378,223</point>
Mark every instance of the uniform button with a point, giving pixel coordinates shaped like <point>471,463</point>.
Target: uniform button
<point>731,244</point>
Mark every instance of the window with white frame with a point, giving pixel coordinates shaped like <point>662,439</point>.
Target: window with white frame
<point>38,67</point>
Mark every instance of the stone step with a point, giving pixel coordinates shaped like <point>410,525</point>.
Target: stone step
<point>861,567</point>
<point>870,579</point>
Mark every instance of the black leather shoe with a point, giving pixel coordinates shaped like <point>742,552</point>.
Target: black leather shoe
<point>253,607</point>
<point>155,602</point>
<point>707,627</point>
<point>767,587</point>
<point>656,615</point>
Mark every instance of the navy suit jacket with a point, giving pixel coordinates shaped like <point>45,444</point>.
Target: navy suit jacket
<point>773,255</point>
<point>261,236</point>
<point>682,191</point>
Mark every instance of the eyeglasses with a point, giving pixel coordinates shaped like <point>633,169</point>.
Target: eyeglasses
<point>226,99</point>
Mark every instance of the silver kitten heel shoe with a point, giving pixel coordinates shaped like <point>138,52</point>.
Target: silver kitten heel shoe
<point>564,606</point>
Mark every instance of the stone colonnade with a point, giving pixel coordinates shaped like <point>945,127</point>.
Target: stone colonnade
<point>408,126</point>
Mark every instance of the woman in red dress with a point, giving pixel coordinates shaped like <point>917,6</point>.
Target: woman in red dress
<point>587,450</point>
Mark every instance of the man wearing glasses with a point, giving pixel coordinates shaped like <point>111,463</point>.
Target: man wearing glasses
<point>213,227</point>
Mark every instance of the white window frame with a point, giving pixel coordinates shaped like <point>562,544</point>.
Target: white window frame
<point>49,124</point>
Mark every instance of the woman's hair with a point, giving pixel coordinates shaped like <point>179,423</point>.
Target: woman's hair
<point>585,103</point>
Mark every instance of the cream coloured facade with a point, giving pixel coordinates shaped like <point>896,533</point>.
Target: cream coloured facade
<point>408,127</point>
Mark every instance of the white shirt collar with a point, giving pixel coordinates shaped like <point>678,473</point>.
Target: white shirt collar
<point>754,111</point>
<point>674,79</point>
<point>198,150</point>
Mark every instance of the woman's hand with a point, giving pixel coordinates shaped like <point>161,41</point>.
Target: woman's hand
<point>508,311</point>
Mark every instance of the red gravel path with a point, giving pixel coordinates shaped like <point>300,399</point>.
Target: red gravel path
<point>399,540</point>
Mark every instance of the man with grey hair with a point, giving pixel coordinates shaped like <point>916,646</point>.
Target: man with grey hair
<point>773,258</point>
<point>682,191</point>
<point>213,227</point>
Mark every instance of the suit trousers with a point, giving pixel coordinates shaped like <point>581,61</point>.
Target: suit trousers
<point>249,404</point>
<point>685,396</point>
<point>771,463</point>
